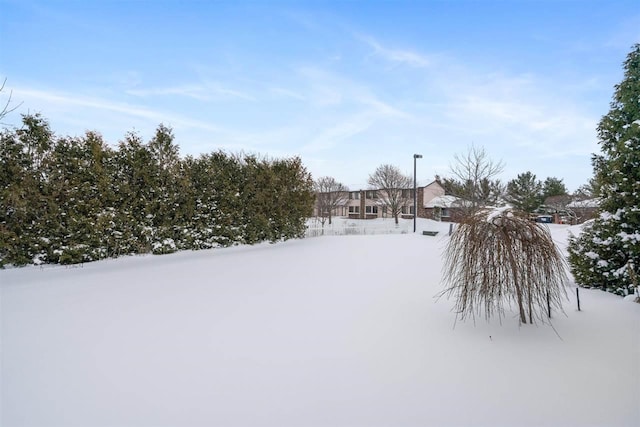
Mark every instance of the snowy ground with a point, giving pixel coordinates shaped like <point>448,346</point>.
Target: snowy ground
<point>327,331</point>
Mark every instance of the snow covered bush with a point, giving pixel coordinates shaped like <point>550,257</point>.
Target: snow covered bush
<point>166,246</point>
<point>606,254</point>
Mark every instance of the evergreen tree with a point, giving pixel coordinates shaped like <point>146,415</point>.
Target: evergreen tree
<point>214,194</point>
<point>525,192</point>
<point>165,207</point>
<point>18,188</point>
<point>68,223</point>
<point>26,206</point>
<point>295,197</point>
<point>589,190</point>
<point>100,171</point>
<point>553,187</point>
<point>607,254</point>
<point>492,192</point>
<point>36,137</point>
<point>79,192</point>
<point>259,205</point>
<point>135,189</point>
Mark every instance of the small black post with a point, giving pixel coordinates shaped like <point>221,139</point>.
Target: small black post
<point>450,228</point>
<point>548,305</point>
<point>578,297</point>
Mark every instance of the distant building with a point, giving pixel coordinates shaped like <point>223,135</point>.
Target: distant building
<point>366,204</point>
<point>443,208</point>
<point>584,210</point>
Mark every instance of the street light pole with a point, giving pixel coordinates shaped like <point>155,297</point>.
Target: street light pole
<point>415,194</point>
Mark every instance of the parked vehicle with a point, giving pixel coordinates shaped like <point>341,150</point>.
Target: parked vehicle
<point>546,219</point>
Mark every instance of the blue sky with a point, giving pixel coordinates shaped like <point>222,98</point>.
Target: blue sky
<point>347,85</point>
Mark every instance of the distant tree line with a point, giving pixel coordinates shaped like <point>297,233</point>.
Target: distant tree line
<point>473,181</point>
<point>76,199</point>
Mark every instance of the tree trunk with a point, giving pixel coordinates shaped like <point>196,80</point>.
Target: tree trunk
<point>514,269</point>
<point>530,305</point>
<point>523,317</point>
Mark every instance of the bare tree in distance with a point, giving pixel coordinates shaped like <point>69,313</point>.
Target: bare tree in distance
<point>392,187</point>
<point>6,108</point>
<point>330,194</point>
<point>559,204</point>
<point>472,179</point>
<point>499,257</point>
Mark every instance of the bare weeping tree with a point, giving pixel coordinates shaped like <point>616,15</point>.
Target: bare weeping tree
<point>330,194</point>
<point>499,258</point>
<point>473,180</point>
<point>392,187</point>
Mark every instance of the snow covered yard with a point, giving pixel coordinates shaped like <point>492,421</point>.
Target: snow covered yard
<point>327,331</point>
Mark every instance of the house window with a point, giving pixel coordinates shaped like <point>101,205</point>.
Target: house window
<point>445,212</point>
<point>371,209</point>
<point>407,194</point>
<point>354,195</point>
<point>407,210</point>
<point>371,195</point>
<point>354,209</point>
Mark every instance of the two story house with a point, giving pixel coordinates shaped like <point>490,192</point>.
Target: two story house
<point>367,204</point>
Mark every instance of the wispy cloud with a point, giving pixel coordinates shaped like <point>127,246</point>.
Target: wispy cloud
<point>524,109</point>
<point>73,100</point>
<point>76,112</point>
<point>195,92</point>
<point>343,110</point>
<point>402,56</point>
<point>286,93</point>
<point>340,132</point>
<point>62,101</point>
<point>329,89</point>
<point>383,109</point>
<point>203,92</point>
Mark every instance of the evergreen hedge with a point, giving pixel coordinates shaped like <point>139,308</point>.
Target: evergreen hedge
<point>76,199</point>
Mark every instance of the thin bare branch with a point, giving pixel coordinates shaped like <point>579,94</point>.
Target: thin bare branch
<point>6,109</point>
<point>472,179</point>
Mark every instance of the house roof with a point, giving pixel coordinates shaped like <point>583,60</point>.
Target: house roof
<point>435,182</point>
<point>443,202</point>
<point>581,204</point>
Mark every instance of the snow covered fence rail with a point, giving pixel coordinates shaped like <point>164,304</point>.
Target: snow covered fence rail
<point>351,230</point>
